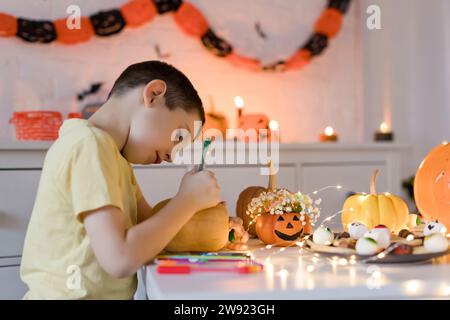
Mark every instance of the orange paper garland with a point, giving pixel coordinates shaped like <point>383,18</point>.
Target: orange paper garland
<point>191,20</point>
<point>138,12</point>
<point>329,23</point>
<point>8,25</point>
<point>73,36</point>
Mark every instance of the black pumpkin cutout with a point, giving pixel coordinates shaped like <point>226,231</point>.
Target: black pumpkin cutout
<point>164,6</point>
<point>215,44</point>
<point>316,44</point>
<point>107,23</point>
<point>276,66</point>
<point>36,31</point>
<point>341,5</point>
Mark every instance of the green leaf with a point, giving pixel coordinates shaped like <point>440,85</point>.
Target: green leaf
<point>231,236</point>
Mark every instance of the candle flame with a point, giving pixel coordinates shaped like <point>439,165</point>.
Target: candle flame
<point>329,131</point>
<point>239,102</point>
<point>273,125</point>
<point>384,127</point>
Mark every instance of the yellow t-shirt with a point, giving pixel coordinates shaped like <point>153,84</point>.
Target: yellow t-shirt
<point>83,170</point>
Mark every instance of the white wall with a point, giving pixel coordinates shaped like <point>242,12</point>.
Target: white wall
<point>407,72</point>
<point>47,76</point>
<point>400,72</point>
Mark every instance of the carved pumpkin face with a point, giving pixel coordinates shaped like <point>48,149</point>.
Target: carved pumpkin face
<point>288,226</point>
<point>432,185</point>
<point>280,229</point>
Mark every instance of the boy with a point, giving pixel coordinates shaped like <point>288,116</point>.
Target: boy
<point>89,232</point>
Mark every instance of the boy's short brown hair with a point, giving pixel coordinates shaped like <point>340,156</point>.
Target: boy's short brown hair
<point>180,92</point>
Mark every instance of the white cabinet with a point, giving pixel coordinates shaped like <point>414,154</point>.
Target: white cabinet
<point>17,193</point>
<point>10,285</point>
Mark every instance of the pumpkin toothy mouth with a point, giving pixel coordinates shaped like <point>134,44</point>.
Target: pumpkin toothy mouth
<point>287,237</point>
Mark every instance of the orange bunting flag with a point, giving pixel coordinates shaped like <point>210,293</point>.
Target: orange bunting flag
<point>191,20</point>
<point>138,12</point>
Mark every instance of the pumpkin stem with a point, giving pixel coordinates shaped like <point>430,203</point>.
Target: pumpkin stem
<point>373,182</point>
<point>272,177</point>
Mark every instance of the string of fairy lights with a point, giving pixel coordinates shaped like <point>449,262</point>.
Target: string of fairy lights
<point>335,260</point>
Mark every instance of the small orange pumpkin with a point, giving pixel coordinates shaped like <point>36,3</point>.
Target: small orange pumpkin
<point>432,185</point>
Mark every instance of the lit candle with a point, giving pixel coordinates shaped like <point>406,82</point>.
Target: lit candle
<point>239,102</point>
<point>329,135</point>
<point>273,130</point>
<point>384,133</point>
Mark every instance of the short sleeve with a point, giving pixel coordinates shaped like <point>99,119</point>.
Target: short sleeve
<point>94,177</point>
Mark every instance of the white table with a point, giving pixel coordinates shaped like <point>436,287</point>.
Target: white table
<point>289,275</point>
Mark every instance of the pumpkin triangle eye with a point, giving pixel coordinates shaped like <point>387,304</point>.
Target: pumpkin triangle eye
<point>280,218</point>
<point>296,218</point>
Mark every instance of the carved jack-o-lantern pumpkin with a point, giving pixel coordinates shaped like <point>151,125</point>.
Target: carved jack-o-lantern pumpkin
<point>432,185</point>
<point>279,229</point>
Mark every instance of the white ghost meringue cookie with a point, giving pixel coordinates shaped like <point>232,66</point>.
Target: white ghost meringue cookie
<point>367,246</point>
<point>434,227</point>
<point>435,242</point>
<point>357,230</point>
<point>382,235</point>
<point>323,236</point>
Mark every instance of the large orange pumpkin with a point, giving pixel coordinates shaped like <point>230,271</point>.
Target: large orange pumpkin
<point>281,229</point>
<point>432,185</point>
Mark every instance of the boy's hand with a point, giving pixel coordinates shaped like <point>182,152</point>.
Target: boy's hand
<point>199,189</point>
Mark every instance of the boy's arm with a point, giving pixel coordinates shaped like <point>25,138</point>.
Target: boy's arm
<point>120,251</point>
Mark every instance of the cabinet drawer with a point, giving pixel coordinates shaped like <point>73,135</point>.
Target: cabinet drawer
<point>355,177</point>
<point>17,194</point>
<point>11,287</point>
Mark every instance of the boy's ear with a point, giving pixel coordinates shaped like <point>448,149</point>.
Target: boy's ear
<point>153,89</point>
